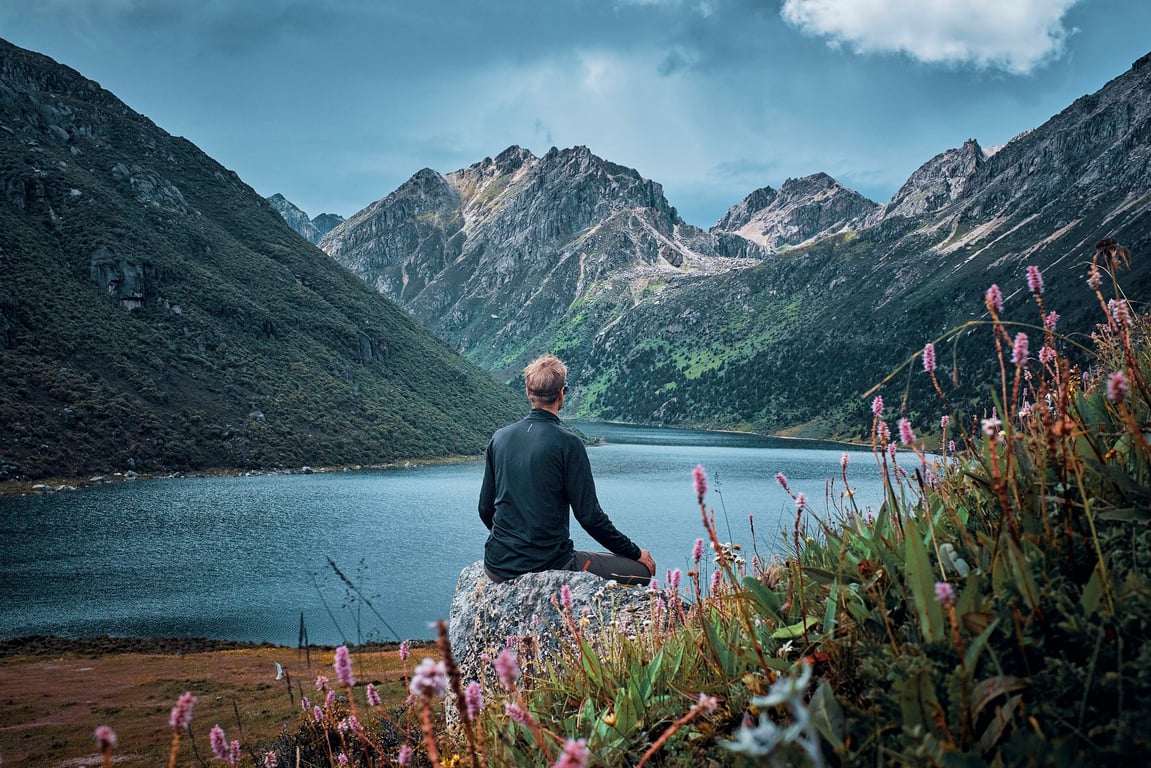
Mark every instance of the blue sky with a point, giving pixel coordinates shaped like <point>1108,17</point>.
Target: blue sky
<point>335,103</point>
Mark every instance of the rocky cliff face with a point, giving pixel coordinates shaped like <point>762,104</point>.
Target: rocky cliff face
<point>157,315</point>
<point>801,211</point>
<point>311,229</point>
<point>935,184</point>
<point>495,256</point>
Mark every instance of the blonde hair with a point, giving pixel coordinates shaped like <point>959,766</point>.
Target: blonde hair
<point>545,378</point>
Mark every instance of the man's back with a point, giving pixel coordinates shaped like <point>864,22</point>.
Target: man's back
<point>536,469</point>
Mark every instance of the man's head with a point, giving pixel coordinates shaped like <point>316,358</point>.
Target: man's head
<point>545,378</point>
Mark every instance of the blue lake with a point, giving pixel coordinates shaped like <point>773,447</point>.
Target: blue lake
<point>243,558</point>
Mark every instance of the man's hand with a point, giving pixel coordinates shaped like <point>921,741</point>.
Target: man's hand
<point>646,559</point>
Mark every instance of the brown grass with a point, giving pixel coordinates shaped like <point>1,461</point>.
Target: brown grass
<point>54,693</point>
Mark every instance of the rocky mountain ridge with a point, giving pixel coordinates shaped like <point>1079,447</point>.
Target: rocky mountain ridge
<point>156,314</point>
<point>803,210</point>
<point>490,257</point>
<point>312,229</point>
<point>578,255</point>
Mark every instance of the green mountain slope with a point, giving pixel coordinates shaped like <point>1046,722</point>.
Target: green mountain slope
<point>157,314</point>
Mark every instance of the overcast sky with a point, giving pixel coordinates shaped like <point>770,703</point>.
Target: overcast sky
<point>335,103</point>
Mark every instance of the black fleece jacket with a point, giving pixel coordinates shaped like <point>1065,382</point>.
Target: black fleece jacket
<point>534,471</point>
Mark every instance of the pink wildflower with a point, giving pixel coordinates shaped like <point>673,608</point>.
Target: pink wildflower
<point>877,405</point>
<point>271,761</point>
<point>575,754</point>
<point>516,712</point>
<point>330,699</point>
<point>943,422</point>
<point>507,670</point>
<point>1019,349</point>
<point>699,476</point>
<point>219,742</point>
<point>474,699</point>
<point>1035,279</point>
<point>405,650</point>
<point>1120,312</point>
<point>566,597</point>
<point>429,679</point>
<point>843,461</point>
<point>944,593</point>
<point>951,446</point>
<point>1050,321</point>
<point>782,480</point>
<point>673,579</point>
<point>1095,279</point>
<point>404,759</point>
<point>800,502</point>
<point>991,426</point>
<point>906,434</point>
<point>344,667</point>
<point>182,713</point>
<point>715,580</point>
<point>929,357</point>
<point>1117,386</point>
<point>234,752</point>
<point>342,759</point>
<point>105,738</point>
<point>317,714</point>
<point>994,299</point>
<point>884,433</point>
<point>1046,355</point>
<point>891,449</point>
<point>373,696</point>
<point>305,704</point>
<point>321,683</point>
<point>707,704</point>
<point>697,550</point>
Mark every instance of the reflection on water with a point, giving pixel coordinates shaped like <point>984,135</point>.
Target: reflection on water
<point>243,558</point>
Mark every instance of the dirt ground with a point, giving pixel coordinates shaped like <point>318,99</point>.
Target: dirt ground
<point>54,693</point>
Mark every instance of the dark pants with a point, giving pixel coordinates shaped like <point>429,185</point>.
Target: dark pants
<point>609,566</point>
<point>602,564</point>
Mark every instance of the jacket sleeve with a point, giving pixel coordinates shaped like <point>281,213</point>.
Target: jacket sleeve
<point>487,505</point>
<point>585,505</point>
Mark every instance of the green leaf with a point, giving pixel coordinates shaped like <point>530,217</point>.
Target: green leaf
<point>1092,592</point>
<point>829,609</point>
<point>918,702</point>
<point>795,630</point>
<point>987,691</point>
<point>921,582</point>
<point>765,599</point>
<point>827,716</point>
<point>975,650</point>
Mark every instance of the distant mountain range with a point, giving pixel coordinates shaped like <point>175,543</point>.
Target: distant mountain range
<point>312,229</point>
<point>156,314</point>
<point>793,304</point>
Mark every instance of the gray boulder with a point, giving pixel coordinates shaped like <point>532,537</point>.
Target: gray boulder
<point>520,614</point>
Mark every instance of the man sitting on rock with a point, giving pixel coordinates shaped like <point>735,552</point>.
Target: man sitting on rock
<point>535,470</point>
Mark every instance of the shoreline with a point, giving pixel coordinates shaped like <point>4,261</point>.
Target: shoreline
<point>65,483</point>
<point>106,645</point>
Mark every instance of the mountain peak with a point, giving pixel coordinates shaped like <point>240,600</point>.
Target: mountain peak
<point>803,209</point>
<point>938,182</point>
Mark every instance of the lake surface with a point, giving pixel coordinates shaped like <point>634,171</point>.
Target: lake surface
<point>242,558</point>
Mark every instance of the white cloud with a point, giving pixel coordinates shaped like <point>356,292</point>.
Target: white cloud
<point>1013,35</point>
